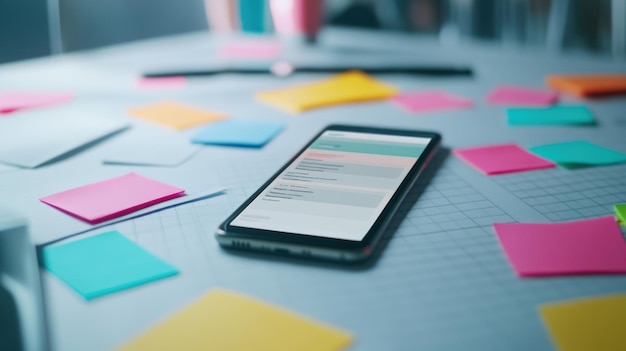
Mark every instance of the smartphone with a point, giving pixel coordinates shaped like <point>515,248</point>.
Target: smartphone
<point>334,199</point>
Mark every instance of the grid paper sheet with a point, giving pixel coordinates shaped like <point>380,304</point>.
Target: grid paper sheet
<point>441,283</point>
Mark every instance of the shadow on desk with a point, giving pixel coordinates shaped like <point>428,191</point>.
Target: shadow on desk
<point>408,202</point>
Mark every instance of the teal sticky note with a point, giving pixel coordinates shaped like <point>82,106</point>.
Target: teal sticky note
<point>103,264</point>
<point>238,133</point>
<point>555,115</point>
<point>577,154</point>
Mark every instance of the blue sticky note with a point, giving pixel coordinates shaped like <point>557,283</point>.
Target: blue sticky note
<point>103,264</point>
<point>576,154</point>
<point>238,133</point>
<point>555,115</point>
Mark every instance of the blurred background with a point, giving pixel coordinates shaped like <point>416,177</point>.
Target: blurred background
<point>33,28</point>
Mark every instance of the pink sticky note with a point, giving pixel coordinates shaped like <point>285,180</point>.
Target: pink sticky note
<point>514,95</point>
<point>13,101</point>
<point>164,83</point>
<point>251,49</point>
<point>579,247</point>
<point>108,199</point>
<point>430,101</point>
<point>503,158</point>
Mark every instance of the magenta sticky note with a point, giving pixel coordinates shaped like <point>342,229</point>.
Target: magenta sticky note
<point>12,101</point>
<point>251,49</point>
<point>108,199</point>
<point>429,101</point>
<point>161,83</point>
<point>501,158</point>
<point>580,247</point>
<point>515,95</point>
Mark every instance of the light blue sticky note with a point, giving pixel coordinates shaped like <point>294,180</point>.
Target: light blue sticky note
<point>554,115</point>
<point>576,154</point>
<point>103,264</point>
<point>238,133</point>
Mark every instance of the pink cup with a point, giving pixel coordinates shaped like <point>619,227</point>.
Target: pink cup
<point>297,17</point>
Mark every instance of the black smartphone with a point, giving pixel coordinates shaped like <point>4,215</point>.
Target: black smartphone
<point>335,198</point>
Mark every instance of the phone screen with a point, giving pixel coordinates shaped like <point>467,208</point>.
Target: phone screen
<point>337,187</point>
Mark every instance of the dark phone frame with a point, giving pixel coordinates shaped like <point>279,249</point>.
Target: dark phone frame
<point>330,243</point>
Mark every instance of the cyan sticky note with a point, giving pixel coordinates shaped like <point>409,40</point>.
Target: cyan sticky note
<point>555,115</point>
<point>577,154</point>
<point>238,133</point>
<point>104,264</point>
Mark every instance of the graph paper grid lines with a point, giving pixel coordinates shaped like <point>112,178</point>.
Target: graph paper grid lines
<point>441,274</point>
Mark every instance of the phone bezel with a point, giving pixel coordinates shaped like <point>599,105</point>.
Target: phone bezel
<point>332,243</point>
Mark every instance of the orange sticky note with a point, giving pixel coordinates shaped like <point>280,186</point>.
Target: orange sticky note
<point>349,87</point>
<point>227,321</point>
<point>589,85</point>
<point>175,115</point>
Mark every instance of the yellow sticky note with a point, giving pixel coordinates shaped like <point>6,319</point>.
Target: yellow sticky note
<point>352,86</point>
<point>587,324</point>
<point>223,320</point>
<point>175,115</point>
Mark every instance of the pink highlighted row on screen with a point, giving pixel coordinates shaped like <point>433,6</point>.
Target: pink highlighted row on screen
<point>353,157</point>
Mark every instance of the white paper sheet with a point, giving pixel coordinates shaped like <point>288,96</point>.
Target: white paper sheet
<point>31,139</point>
<point>149,146</point>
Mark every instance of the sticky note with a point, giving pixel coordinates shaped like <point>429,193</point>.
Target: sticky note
<point>588,85</point>
<point>12,101</point>
<point>238,133</point>
<point>161,83</point>
<point>516,95</point>
<point>429,101</point>
<point>595,323</point>
<point>175,115</point>
<point>251,49</point>
<point>555,115</point>
<point>349,87</point>
<point>620,212</point>
<point>576,154</point>
<point>104,264</point>
<point>502,158</point>
<point>227,321</point>
<point>115,197</point>
<point>579,247</point>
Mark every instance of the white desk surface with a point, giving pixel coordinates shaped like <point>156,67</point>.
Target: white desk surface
<point>441,283</point>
